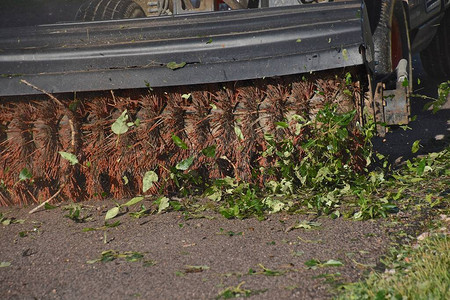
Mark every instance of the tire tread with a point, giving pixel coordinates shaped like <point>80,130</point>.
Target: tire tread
<point>97,10</point>
<point>436,57</point>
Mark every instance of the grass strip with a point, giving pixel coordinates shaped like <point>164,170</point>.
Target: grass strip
<point>415,272</point>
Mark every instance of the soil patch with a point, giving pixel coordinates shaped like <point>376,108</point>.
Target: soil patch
<point>182,258</point>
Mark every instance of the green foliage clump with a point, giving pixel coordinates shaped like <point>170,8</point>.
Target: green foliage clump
<point>326,164</point>
<point>318,164</point>
<point>443,92</point>
<point>315,164</point>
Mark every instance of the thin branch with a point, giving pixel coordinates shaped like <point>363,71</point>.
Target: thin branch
<point>48,200</point>
<point>72,128</point>
<point>42,91</point>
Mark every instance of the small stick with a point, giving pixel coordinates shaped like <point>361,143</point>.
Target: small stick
<point>48,200</point>
<point>42,91</point>
<point>112,94</point>
<point>32,196</point>
<point>72,128</point>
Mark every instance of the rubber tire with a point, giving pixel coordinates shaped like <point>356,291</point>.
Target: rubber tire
<point>392,20</point>
<point>97,10</point>
<point>436,57</point>
<point>373,10</point>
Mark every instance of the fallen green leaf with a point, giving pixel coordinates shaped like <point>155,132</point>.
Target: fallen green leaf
<point>238,292</point>
<point>270,272</point>
<point>133,201</point>
<point>133,256</point>
<point>69,156</point>
<point>120,126</point>
<point>185,164</point>
<point>87,229</point>
<point>113,212</point>
<point>48,206</point>
<point>104,227</point>
<point>173,65</point>
<point>163,203</point>
<point>312,263</point>
<point>5,264</point>
<point>282,124</point>
<point>345,54</point>
<point>421,167</point>
<point>179,142</point>
<point>416,146</point>
<point>150,177</point>
<point>332,263</point>
<point>112,225</point>
<point>238,132</point>
<point>92,261</point>
<point>25,174</point>
<point>210,151</point>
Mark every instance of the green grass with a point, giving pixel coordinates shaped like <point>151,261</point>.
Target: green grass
<point>420,272</point>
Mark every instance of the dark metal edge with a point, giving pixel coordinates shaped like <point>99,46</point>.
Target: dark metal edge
<point>217,47</point>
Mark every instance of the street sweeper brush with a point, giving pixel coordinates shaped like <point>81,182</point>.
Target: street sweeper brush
<point>115,138</point>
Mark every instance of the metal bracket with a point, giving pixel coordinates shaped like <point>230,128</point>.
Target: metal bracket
<point>396,102</point>
<point>391,106</point>
<point>181,7</point>
<point>396,106</point>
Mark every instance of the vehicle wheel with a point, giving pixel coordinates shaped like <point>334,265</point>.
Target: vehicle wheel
<point>391,44</point>
<point>373,10</point>
<point>96,10</point>
<point>391,38</point>
<point>435,58</point>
